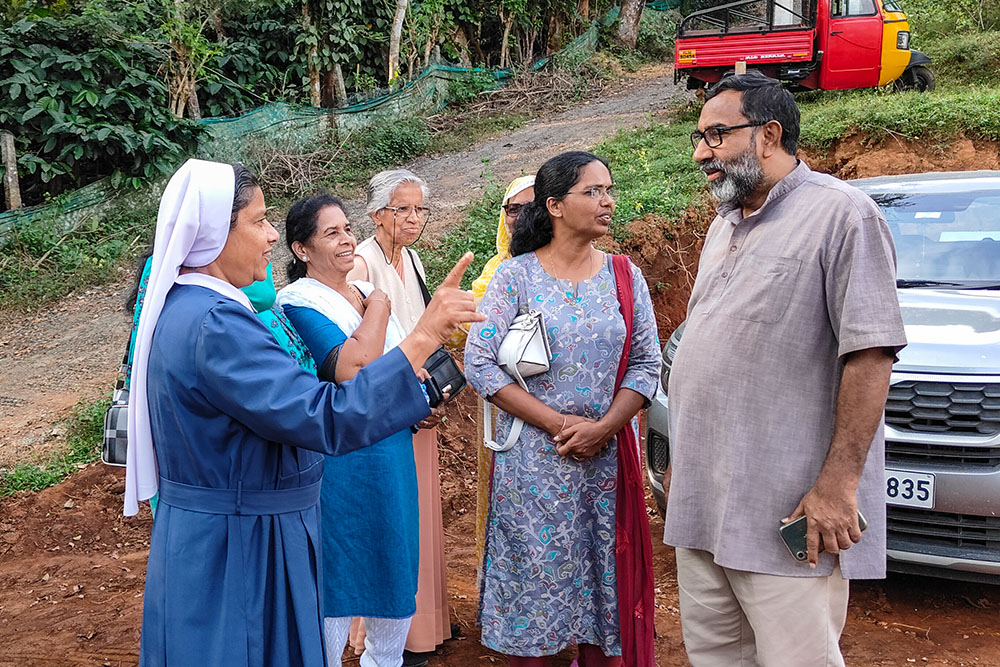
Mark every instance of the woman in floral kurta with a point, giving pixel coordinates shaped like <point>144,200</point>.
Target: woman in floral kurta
<point>549,569</point>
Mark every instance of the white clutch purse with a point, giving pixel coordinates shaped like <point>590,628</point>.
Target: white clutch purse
<point>524,352</point>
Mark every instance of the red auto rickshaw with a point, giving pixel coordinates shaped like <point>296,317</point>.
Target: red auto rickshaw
<point>810,44</point>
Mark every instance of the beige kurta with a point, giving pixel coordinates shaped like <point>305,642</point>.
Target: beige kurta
<point>431,624</point>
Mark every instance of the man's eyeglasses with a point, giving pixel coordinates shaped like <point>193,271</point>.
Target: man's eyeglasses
<point>405,211</point>
<point>713,136</point>
<point>597,192</point>
<point>513,210</point>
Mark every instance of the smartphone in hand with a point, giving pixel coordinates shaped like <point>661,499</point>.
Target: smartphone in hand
<point>793,534</point>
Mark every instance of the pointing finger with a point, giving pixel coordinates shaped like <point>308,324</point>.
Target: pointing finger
<point>454,277</point>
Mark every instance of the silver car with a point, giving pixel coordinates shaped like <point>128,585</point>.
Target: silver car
<point>942,416</point>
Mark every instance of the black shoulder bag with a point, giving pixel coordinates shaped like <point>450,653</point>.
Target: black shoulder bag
<point>445,375</point>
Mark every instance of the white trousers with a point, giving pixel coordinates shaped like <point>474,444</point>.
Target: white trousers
<point>731,618</point>
<point>384,640</point>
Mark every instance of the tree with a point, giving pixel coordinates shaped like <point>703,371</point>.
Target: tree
<point>311,40</point>
<point>394,38</point>
<point>628,22</point>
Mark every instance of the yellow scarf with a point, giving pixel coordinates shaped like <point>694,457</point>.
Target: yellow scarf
<point>503,238</point>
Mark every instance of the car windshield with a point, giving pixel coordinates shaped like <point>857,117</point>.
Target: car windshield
<point>945,238</point>
<point>891,6</point>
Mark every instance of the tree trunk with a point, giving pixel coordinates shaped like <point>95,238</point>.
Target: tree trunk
<point>312,60</point>
<point>193,108</point>
<point>553,42</point>
<point>508,23</point>
<point>11,188</point>
<point>473,41</point>
<point>461,42</point>
<point>394,38</point>
<point>338,85</point>
<point>583,9</point>
<point>218,24</point>
<point>628,22</point>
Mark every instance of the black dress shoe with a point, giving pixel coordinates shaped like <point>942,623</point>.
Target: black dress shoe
<point>413,659</point>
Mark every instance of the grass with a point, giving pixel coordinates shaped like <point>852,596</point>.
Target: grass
<point>940,115</point>
<point>84,432</point>
<point>474,130</point>
<point>653,173</point>
<point>965,58</point>
<point>40,261</point>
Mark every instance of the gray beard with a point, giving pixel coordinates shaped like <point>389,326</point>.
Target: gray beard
<point>742,176</point>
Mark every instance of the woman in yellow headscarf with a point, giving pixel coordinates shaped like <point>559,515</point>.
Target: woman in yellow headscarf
<point>519,192</point>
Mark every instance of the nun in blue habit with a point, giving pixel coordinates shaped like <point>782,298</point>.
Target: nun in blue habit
<point>230,431</point>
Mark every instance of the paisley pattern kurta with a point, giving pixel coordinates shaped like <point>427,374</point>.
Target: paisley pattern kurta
<point>549,568</point>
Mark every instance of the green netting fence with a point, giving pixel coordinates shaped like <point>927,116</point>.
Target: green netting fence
<point>295,128</point>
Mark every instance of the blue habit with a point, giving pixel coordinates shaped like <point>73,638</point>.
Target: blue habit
<point>370,518</point>
<point>232,577</point>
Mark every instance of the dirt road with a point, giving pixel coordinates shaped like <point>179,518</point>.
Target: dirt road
<point>71,581</point>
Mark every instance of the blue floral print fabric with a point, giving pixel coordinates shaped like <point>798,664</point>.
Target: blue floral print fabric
<point>549,565</point>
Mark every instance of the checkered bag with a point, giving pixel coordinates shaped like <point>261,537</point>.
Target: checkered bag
<point>116,421</point>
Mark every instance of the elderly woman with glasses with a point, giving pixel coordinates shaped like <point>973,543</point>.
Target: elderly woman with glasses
<point>397,205</point>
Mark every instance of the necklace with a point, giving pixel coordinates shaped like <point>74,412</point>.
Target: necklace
<point>555,274</point>
<point>353,291</point>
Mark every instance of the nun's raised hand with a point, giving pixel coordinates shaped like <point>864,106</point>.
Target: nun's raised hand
<point>450,307</point>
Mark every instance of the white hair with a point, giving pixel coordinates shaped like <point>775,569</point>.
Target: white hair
<point>383,186</point>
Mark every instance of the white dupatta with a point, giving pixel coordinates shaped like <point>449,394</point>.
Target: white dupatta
<point>311,293</point>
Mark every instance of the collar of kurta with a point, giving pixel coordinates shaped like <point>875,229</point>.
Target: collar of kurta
<point>793,179</point>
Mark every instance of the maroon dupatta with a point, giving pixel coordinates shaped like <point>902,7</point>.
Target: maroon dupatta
<point>634,552</point>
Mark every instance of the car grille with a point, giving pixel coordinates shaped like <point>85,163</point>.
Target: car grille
<point>944,407</point>
<point>658,452</point>
<point>902,453</point>
<point>968,532</point>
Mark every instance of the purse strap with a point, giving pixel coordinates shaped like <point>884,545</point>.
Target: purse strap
<point>420,279</point>
<point>124,369</point>
<point>488,441</point>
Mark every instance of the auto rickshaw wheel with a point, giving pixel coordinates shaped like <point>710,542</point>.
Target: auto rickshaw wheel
<point>918,77</point>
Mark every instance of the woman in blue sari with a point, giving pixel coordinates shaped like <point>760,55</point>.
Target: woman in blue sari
<point>230,431</point>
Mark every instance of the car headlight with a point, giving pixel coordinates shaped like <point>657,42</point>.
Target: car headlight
<point>903,40</point>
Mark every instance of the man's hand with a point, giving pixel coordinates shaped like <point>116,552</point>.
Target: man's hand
<point>831,512</point>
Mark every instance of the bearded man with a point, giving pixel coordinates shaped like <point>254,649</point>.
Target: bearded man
<point>777,392</point>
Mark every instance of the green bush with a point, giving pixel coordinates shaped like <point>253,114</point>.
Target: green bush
<point>388,144</point>
<point>657,31</point>
<point>39,263</point>
<point>83,102</point>
<point>477,232</point>
<point>942,115</point>
<point>84,432</point>
<point>931,19</point>
<point>467,90</point>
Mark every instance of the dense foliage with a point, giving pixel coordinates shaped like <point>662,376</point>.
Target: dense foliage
<point>83,104</point>
<point>98,88</point>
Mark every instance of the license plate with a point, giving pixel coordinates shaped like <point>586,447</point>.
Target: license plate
<point>909,489</point>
